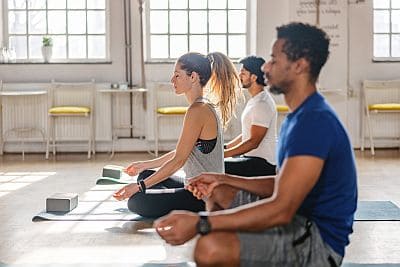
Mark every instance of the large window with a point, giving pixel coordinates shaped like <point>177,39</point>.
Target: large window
<point>387,29</point>
<point>179,26</point>
<point>78,29</point>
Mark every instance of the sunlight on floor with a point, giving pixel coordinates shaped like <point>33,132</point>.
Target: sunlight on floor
<point>99,254</point>
<point>12,181</point>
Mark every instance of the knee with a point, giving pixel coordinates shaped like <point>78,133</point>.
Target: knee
<point>207,252</point>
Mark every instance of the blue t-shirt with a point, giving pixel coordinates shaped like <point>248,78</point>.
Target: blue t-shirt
<point>314,129</point>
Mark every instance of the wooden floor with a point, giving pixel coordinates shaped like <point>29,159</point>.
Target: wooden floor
<point>24,186</point>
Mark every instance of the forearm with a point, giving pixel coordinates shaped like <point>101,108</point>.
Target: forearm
<point>166,170</point>
<point>157,162</point>
<point>234,142</point>
<point>252,217</point>
<point>262,186</point>
<point>241,148</point>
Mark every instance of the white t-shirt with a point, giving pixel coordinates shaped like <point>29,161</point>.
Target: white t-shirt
<point>261,111</point>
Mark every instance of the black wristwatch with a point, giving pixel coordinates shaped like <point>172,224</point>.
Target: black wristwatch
<point>203,226</point>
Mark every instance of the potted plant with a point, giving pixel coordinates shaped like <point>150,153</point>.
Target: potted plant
<point>47,48</point>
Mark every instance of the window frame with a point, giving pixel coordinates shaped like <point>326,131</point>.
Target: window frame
<point>67,60</point>
<point>390,58</point>
<point>149,60</point>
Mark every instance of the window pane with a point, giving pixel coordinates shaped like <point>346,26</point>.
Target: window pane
<point>35,46</point>
<point>96,47</point>
<point>396,21</point>
<point>178,22</point>
<point>198,4</point>
<point>217,43</point>
<point>237,4</point>
<point>217,21</point>
<point>237,46</point>
<point>396,45</point>
<point>76,4</point>
<point>77,46</point>
<point>178,4</point>
<point>381,21</point>
<point>158,4</point>
<point>198,21</point>
<point>37,4</point>
<point>237,21</point>
<point>159,46</point>
<point>57,22</point>
<point>16,4</point>
<point>96,21</point>
<point>77,22</point>
<point>381,45</point>
<point>37,22</point>
<point>381,3</point>
<point>158,21</point>
<point>19,44</point>
<point>198,43</point>
<point>178,45</point>
<point>220,4</point>
<point>17,22</point>
<point>96,4</point>
<point>395,3</point>
<point>59,47</point>
<point>56,4</point>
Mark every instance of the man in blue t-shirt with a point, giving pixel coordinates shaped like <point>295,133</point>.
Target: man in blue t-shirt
<point>304,215</point>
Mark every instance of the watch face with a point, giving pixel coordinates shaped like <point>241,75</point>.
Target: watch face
<point>203,226</point>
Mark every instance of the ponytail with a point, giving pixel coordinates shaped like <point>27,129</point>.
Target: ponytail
<point>223,84</point>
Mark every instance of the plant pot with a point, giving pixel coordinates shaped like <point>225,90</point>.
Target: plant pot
<point>47,52</point>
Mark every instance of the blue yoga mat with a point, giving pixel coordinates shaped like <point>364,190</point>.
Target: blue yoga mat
<point>377,211</point>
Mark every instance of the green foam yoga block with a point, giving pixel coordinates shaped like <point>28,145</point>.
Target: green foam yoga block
<point>61,202</point>
<point>113,171</point>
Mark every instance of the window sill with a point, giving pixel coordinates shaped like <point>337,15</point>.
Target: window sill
<point>386,59</point>
<point>54,63</point>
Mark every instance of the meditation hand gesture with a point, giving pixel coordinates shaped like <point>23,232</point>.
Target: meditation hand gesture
<point>202,186</point>
<point>177,227</point>
<point>126,192</point>
<point>135,168</point>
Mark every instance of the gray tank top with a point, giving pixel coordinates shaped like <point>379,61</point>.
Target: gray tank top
<point>199,162</point>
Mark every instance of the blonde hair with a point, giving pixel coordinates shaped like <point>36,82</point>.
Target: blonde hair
<point>216,71</point>
<point>224,85</point>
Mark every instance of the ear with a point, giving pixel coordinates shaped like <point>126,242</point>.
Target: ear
<point>302,66</point>
<point>195,77</point>
<point>253,77</point>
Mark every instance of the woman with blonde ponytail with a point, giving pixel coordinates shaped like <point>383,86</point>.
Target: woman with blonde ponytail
<point>200,145</point>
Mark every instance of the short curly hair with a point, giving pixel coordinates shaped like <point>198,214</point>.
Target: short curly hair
<point>305,41</point>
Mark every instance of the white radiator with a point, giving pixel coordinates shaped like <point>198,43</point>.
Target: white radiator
<point>21,112</point>
<point>385,126</point>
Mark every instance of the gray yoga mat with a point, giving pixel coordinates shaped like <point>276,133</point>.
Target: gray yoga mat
<point>109,180</point>
<point>377,211</point>
<point>94,205</point>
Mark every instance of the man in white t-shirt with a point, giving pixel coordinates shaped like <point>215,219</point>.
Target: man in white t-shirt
<point>252,153</point>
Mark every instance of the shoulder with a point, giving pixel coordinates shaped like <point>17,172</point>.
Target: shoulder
<point>198,110</point>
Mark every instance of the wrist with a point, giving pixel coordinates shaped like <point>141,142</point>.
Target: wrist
<point>141,186</point>
<point>203,225</point>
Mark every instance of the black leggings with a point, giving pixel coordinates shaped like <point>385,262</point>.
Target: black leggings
<point>157,205</point>
<point>249,166</point>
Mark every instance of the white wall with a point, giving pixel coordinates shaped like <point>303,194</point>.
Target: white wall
<point>269,14</point>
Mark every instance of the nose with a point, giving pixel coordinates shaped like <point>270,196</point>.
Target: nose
<point>172,78</point>
<point>265,67</point>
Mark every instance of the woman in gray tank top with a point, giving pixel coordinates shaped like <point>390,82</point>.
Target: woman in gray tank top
<point>200,145</point>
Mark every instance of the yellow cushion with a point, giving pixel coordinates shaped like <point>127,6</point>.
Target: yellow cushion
<point>69,110</point>
<point>172,110</point>
<point>282,108</point>
<point>385,107</point>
